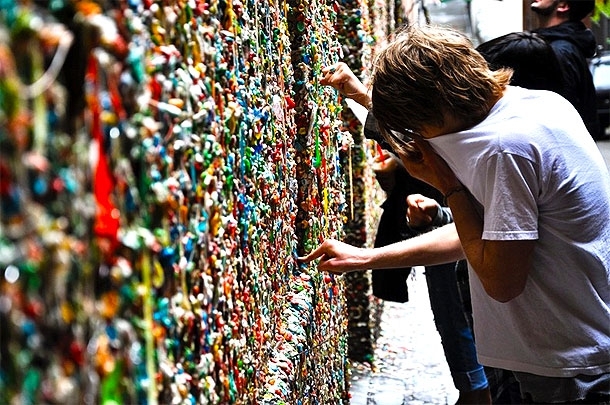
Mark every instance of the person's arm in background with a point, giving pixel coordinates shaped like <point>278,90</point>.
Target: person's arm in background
<point>340,77</point>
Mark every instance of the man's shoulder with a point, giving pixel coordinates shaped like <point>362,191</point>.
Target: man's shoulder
<point>571,37</point>
<point>564,46</point>
<point>516,97</point>
<point>565,29</point>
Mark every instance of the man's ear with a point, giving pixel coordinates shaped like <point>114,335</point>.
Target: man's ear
<point>563,8</point>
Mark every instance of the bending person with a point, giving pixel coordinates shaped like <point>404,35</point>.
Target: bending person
<point>452,316</point>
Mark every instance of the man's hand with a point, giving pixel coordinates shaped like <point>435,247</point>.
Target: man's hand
<point>440,245</point>
<point>341,77</point>
<point>430,168</point>
<point>337,257</point>
<point>421,210</point>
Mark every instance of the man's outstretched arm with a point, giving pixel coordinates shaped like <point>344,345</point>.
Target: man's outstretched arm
<point>441,245</point>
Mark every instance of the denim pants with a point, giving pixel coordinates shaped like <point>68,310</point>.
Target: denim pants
<point>450,301</point>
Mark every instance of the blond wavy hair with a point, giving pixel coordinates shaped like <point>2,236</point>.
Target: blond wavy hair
<point>429,73</point>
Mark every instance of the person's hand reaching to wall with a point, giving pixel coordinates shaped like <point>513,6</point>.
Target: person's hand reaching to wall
<point>340,77</point>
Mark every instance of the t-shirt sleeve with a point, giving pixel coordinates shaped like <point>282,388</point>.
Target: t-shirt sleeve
<point>510,198</point>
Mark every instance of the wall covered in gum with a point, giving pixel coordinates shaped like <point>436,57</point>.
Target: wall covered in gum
<point>162,166</point>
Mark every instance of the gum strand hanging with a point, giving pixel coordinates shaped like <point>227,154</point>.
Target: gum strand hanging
<point>148,323</point>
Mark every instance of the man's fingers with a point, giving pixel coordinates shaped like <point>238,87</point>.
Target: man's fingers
<point>313,255</point>
<point>414,200</point>
<point>333,68</point>
<point>306,259</point>
<point>329,69</point>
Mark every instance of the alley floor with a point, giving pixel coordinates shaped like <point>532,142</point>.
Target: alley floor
<point>409,366</point>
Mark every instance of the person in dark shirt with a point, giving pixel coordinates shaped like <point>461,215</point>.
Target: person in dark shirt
<point>560,23</point>
<point>534,63</point>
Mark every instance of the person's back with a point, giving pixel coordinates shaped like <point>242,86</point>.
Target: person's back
<point>567,188</point>
<point>560,24</point>
<point>532,59</point>
<point>535,66</point>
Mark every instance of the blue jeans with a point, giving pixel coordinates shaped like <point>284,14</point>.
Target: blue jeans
<point>450,302</point>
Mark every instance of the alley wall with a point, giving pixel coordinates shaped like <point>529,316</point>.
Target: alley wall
<point>163,164</point>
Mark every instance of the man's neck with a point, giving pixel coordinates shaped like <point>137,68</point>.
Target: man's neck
<point>545,21</point>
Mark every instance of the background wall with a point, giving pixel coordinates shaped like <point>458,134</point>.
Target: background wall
<point>162,166</point>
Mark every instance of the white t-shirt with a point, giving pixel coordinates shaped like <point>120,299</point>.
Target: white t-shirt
<point>538,175</point>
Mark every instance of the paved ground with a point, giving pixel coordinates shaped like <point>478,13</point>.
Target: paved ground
<point>410,367</point>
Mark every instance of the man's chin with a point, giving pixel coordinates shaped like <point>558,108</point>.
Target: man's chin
<point>538,7</point>
<point>535,5</point>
